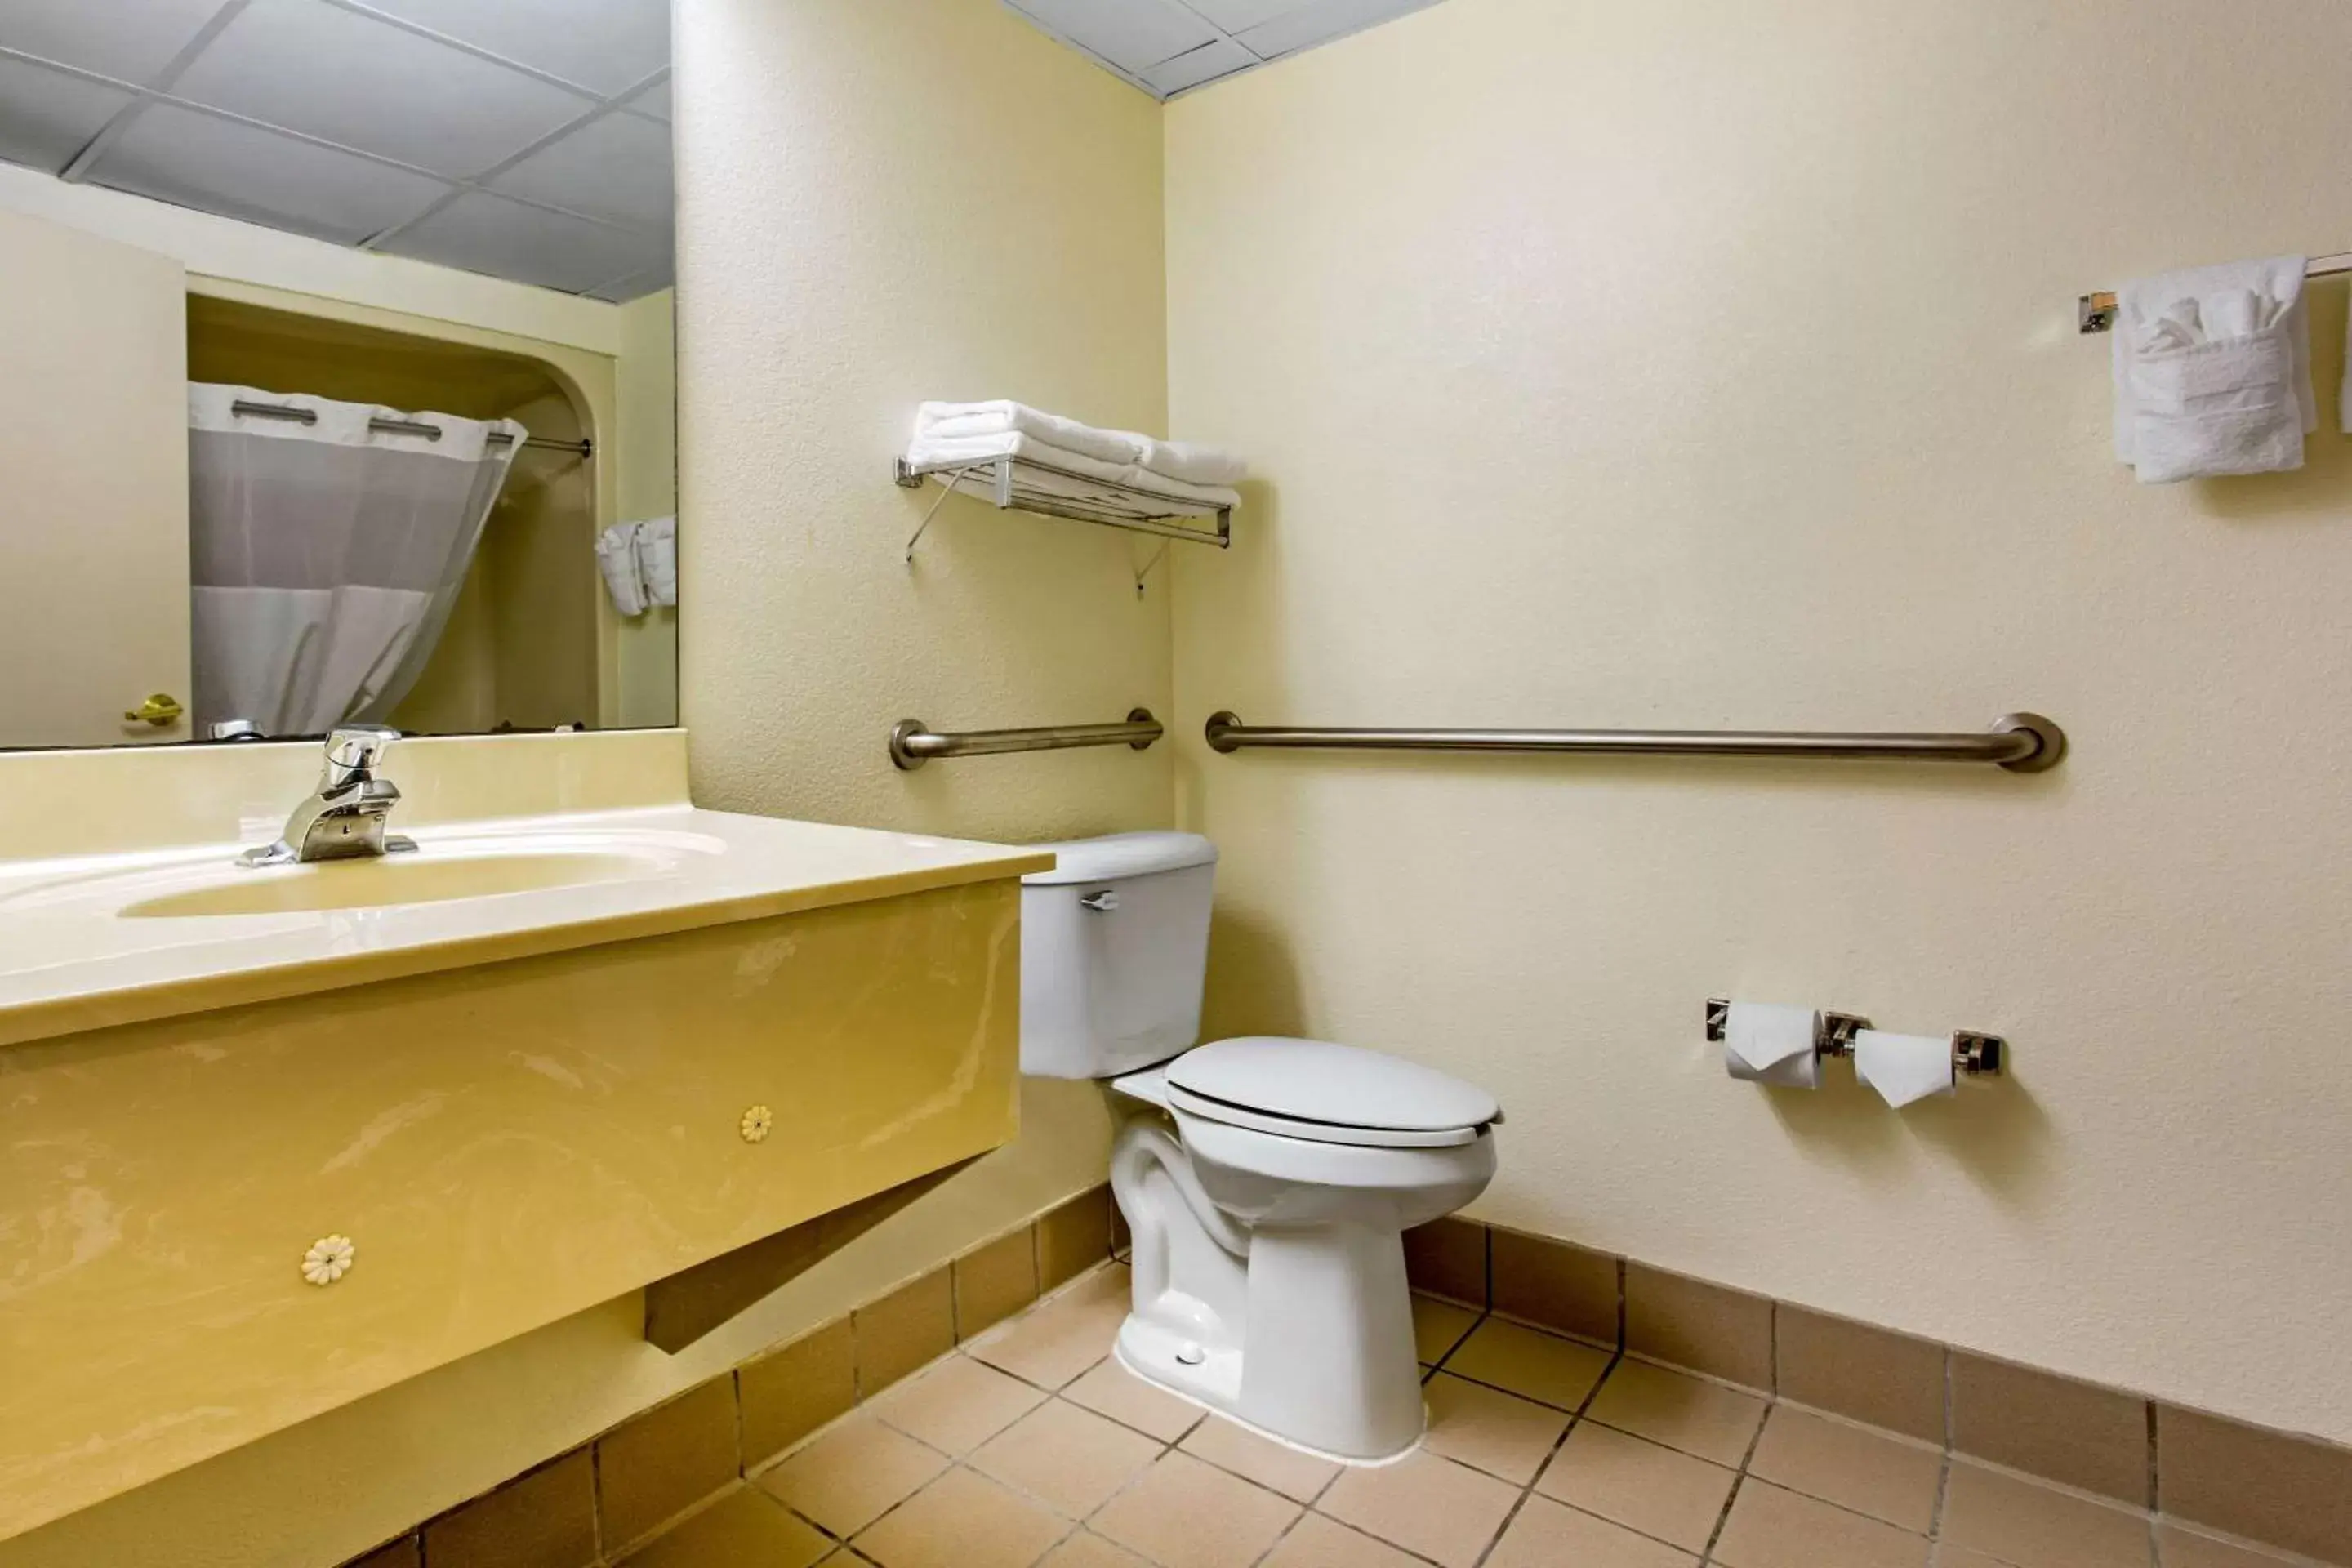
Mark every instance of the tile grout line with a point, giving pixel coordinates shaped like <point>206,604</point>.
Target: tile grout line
<point>1739,1480</point>
<point>1575,1418</point>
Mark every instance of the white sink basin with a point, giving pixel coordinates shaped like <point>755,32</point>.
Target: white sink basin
<point>444,869</point>
<point>418,878</point>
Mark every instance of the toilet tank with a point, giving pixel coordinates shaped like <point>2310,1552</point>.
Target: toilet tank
<point>1114,951</point>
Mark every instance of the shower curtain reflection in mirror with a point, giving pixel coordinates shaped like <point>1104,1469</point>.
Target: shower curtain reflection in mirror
<point>327,554</point>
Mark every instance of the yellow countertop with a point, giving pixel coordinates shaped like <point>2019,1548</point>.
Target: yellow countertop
<point>94,941</point>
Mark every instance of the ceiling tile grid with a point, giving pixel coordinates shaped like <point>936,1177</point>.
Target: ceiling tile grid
<point>1170,47</point>
<point>527,138</point>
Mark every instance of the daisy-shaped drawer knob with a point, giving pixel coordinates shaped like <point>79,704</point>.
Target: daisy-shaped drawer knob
<point>328,1259</point>
<point>756,1122</point>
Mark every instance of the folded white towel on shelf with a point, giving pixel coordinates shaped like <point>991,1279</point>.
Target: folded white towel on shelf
<point>934,453</point>
<point>2212,372</point>
<point>657,559</point>
<point>616,558</point>
<point>1185,461</point>
<point>1193,463</point>
<point>1003,416</point>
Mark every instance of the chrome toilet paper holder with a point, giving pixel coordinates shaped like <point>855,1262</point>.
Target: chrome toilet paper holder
<point>1974,1054</point>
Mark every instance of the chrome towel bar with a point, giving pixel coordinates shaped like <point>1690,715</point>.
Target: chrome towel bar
<point>2021,742</point>
<point>913,742</point>
<point>2097,312</point>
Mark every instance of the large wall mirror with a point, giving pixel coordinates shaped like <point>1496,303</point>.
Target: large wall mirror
<point>336,372</point>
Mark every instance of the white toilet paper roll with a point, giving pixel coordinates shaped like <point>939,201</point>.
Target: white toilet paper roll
<point>1765,1043</point>
<point>1903,1067</point>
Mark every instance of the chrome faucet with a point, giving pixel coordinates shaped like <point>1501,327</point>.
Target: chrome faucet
<point>344,821</point>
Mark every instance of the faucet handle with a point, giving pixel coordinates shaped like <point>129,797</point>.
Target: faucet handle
<point>355,749</point>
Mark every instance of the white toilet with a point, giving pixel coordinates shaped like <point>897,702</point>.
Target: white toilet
<point>1267,1182</point>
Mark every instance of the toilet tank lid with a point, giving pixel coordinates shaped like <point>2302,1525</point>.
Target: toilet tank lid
<point>1342,1086</point>
<point>1121,854</point>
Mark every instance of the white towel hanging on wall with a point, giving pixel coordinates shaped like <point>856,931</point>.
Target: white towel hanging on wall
<point>2212,372</point>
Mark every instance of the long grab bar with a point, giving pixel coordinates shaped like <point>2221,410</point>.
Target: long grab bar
<point>2021,742</point>
<point>913,742</point>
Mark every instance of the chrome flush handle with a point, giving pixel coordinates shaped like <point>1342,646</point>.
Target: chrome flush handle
<point>1101,903</point>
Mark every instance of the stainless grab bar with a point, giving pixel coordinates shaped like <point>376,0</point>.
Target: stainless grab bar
<point>913,742</point>
<point>2021,742</point>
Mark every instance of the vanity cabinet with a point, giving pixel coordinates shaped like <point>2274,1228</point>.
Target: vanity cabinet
<point>502,1145</point>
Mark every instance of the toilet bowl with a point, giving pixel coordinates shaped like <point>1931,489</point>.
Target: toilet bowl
<point>1267,1182</point>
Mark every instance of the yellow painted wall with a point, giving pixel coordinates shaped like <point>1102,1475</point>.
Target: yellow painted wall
<point>1694,365</point>
<point>879,205</point>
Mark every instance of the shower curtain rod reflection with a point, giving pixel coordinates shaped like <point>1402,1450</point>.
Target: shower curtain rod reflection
<point>405,427</point>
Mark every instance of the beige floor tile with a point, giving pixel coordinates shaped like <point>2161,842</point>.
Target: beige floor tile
<point>956,1405</point>
<point>1052,1343</point>
<point>1499,1432</point>
<point>1088,1551</point>
<point>1639,1484</point>
<point>1255,1458</point>
<point>1770,1528</point>
<point>1445,1511</point>
<point>1318,1542</point>
<point>1947,1555</point>
<point>1528,1363</point>
<point>1680,1411</point>
<point>2036,1526</point>
<point>1070,1460</point>
<point>1111,1390</point>
<point>1186,1514</point>
<point>2179,1548</point>
<point>1438,1327</point>
<point>962,1521</point>
<point>1546,1534</point>
<point>846,1477</point>
<point>1852,1466</point>
<point>746,1529</point>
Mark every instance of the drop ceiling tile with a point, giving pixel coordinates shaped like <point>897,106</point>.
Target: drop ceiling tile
<point>367,84</point>
<point>653,100</point>
<point>1133,35</point>
<point>617,167</point>
<point>1240,15</point>
<point>483,233</point>
<point>1321,21</point>
<point>240,171</point>
<point>47,117</point>
<point>129,42</point>
<point>606,45</point>
<point>637,285</point>
<point>1221,57</point>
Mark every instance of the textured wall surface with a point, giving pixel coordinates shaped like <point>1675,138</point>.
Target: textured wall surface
<point>882,203</point>
<point>1700,365</point>
<point>878,204</point>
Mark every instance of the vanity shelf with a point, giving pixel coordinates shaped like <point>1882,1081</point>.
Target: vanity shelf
<point>1024,484</point>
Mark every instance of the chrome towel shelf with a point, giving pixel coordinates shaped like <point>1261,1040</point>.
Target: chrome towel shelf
<point>913,742</point>
<point>2021,742</point>
<point>1025,484</point>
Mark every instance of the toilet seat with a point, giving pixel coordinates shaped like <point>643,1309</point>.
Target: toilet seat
<point>1326,1093</point>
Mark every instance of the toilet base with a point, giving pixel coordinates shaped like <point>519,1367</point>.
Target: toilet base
<point>1148,1352</point>
<point>1301,1331</point>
